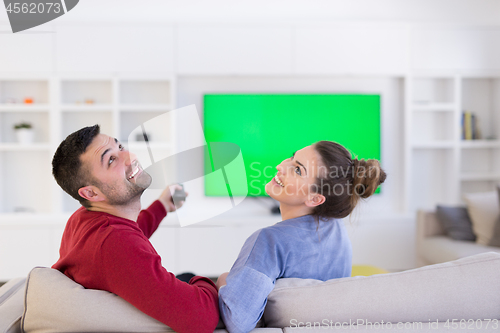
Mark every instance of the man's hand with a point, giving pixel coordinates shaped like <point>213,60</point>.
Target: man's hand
<point>221,281</point>
<point>166,198</point>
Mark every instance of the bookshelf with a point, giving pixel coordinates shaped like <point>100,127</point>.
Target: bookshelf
<point>440,165</point>
<point>61,105</point>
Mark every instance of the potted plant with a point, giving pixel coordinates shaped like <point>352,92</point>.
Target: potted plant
<point>24,132</point>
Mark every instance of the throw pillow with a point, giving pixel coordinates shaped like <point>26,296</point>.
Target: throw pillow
<point>483,210</point>
<point>456,222</point>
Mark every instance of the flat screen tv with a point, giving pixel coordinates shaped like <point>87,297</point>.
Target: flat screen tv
<point>269,128</point>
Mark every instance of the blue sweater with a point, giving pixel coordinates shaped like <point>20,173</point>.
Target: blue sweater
<point>295,248</point>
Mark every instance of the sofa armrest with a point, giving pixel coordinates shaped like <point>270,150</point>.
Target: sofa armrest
<point>427,226</point>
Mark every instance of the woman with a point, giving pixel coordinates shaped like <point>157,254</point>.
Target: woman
<point>315,187</point>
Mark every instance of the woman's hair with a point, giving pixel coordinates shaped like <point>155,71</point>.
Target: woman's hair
<point>343,180</point>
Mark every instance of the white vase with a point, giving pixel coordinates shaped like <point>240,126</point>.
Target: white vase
<point>25,135</point>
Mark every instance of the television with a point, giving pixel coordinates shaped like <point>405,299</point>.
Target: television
<point>269,128</point>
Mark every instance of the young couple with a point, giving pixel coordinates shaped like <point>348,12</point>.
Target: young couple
<point>106,242</point>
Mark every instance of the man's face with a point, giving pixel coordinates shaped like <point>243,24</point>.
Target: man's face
<point>114,170</point>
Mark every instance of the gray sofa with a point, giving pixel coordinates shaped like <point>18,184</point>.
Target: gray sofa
<point>433,246</point>
<point>461,294</point>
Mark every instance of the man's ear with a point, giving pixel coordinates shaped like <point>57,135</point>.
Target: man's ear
<point>91,193</point>
<point>315,199</point>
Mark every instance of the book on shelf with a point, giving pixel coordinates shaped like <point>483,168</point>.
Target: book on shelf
<point>470,126</point>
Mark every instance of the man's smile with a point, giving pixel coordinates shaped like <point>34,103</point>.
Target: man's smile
<point>135,172</point>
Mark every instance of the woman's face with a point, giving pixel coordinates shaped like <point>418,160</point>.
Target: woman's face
<point>295,180</point>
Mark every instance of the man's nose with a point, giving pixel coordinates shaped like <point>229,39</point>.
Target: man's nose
<point>129,157</point>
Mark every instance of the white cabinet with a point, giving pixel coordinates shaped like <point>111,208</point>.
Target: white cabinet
<point>23,249</point>
<point>480,159</point>
<point>26,182</point>
<point>234,50</point>
<point>441,164</point>
<point>58,107</point>
<point>211,250</point>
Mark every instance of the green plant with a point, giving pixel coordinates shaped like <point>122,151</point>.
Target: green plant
<point>22,125</point>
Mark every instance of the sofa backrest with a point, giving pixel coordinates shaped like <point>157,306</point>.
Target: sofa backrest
<point>428,225</point>
<point>467,288</point>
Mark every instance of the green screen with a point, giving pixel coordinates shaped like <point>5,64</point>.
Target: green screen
<point>268,128</point>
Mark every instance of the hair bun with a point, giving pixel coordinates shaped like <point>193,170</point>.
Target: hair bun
<point>368,175</point>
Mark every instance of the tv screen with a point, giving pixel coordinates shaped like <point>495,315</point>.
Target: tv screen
<point>269,128</point>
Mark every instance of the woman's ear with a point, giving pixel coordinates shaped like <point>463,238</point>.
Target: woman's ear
<point>91,193</point>
<point>315,199</point>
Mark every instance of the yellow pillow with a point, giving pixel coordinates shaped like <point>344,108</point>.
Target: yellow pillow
<point>366,270</point>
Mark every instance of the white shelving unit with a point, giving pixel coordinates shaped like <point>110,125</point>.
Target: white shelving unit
<point>60,106</point>
<point>440,165</point>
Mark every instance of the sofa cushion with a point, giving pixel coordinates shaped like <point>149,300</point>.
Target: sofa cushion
<point>12,305</point>
<point>484,211</point>
<point>439,249</point>
<point>54,303</point>
<point>456,222</point>
<point>467,288</point>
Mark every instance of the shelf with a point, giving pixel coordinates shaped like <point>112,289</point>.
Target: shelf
<point>144,107</point>
<point>479,144</point>
<point>24,107</point>
<point>86,107</point>
<point>434,145</point>
<point>480,176</point>
<point>433,107</point>
<point>24,147</point>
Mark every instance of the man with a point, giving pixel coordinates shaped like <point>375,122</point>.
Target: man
<point>106,245</point>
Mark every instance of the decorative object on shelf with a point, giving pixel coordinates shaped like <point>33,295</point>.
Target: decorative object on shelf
<point>470,126</point>
<point>24,132</point>
<point>89,101</point>
<point>28,100</point>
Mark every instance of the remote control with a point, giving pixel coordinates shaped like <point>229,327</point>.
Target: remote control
<point>179,195</point>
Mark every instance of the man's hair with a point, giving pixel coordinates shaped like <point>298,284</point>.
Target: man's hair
<point>67,167</point>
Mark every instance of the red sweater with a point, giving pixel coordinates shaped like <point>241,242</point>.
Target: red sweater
<point>106,252</point>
